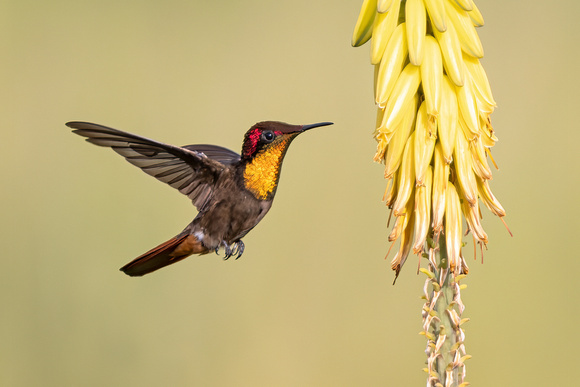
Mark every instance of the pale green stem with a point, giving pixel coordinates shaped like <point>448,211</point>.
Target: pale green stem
<point>441,320</point>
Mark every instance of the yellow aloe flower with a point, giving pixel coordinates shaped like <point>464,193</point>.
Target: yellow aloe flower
<point>434,136</point>
<point>432,93</point>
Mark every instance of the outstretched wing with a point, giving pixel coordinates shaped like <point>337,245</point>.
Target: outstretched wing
<point>190,171</point>
<point>214,152</point>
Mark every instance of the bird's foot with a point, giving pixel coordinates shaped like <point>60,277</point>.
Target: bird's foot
<point>231,250</point>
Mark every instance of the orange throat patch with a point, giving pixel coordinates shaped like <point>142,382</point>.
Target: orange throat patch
<point>262,173</point>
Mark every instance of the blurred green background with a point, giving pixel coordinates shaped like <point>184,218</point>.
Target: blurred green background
<point>311,301</point>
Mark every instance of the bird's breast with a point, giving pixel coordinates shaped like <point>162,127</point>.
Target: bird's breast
<point>262,173</point>
<point>231,215</point>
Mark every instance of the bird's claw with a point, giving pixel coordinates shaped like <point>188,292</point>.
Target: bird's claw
<point>236,248</point>
<point>239,249</point>
<point>228,251</point>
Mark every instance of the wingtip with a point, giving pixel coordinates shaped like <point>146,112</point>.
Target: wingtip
<point>78,125</point>
<point>73,124</point>
<point>128,272</point>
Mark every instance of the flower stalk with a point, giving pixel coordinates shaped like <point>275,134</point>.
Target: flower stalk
<point>434,135</point>
<point>442,322</point>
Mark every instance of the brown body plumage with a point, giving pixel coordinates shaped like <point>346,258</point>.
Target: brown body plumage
<point>231,192</point>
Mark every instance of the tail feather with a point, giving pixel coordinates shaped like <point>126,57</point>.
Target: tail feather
<point>167,253</point>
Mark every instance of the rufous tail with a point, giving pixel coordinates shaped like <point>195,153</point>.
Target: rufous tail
<point>167,253</point>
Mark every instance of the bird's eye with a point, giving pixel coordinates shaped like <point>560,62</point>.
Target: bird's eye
<point>267,136</point>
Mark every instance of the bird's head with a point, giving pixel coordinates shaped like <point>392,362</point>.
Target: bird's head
<point>265,145</point>
<point>272,136</point>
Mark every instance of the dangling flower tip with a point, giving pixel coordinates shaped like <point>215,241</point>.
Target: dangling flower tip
<point>418,264</point>
<point>381,149</point>
<point>488,151</point>
<point>379,156</point>
<point>396,266</point>
<point>506,226</point>
<point>389,220</point>
<point>388,252</point>
<point>397,271</point>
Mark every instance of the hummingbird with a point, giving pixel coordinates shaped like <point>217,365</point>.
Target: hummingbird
<point>232,192</point>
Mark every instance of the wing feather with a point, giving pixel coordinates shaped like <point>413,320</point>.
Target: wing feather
<point>186,169</point>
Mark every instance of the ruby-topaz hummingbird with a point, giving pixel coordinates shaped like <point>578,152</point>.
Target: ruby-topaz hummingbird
<point>231,192</point>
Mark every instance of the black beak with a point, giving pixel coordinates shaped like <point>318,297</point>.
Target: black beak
<point>306,127</point>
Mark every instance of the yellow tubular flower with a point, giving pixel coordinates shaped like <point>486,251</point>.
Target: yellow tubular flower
<point>468,38</point>
<point>416,28</point>
<point>364,25</point>
<point>432,76</point>
<point>406,177</point>
<point>476,17</point>
<point>436,11</point>
<point>384,5</point>
<point>453,232</point>
<point>464,169</point>
<point>391,191</point>
<point>466,102</point>
<point>391,65</point>
<point>480,82</point>
<point>451,52</point>
<point>399,140</point>
<point>465,4</point>
<point>448,119</point>
<point>424,144</point>
<point>402,221</point>
<point>440,180</point>
<point>404,91</point>
<point>384,26</point>
<point>422,212</point>
<point>405,247</point>
<point>480,165</point>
